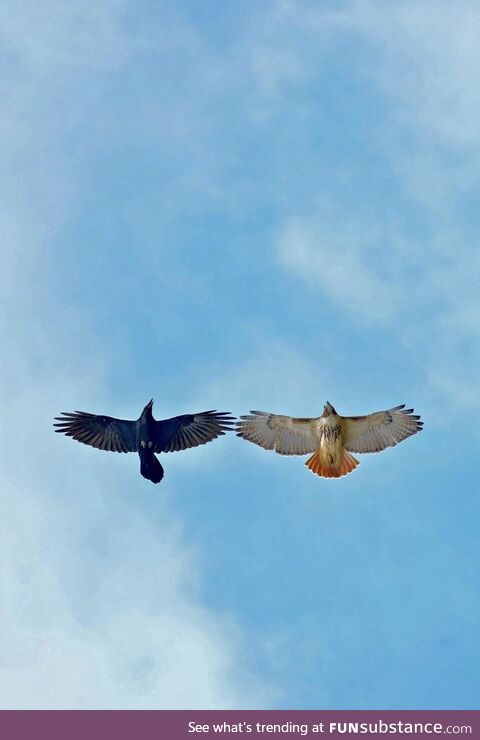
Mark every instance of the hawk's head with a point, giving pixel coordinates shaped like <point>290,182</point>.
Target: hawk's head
<point>328,409</point>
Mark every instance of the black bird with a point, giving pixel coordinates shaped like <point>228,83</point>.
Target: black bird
<point>145,435</point>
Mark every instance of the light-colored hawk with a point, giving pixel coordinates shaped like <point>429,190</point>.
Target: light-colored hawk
<point>330,437</point>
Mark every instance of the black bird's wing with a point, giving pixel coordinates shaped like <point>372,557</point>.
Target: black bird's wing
<point>190,430</point>
<point>103,432</point>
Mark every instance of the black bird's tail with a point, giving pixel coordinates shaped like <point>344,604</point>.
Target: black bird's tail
<point>150,468</point>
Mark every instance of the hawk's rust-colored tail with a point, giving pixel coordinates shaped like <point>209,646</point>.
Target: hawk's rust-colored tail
<point>346,466</point>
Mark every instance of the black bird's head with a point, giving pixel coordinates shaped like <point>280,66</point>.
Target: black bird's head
<point>147,411</point>
<point>328,409</point>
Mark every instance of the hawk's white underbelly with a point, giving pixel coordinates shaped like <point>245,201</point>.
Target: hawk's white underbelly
<point>331,442</point>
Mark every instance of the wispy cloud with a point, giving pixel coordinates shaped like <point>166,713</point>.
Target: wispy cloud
<point>151,155</point>
<point>343,260</point>
<point>430,54</point>
<point>50,41</point>
<point>430,296</point>
<point>100,610</point>
<point>101,602</point>
<point>368,261</point>
<point>259,370</point>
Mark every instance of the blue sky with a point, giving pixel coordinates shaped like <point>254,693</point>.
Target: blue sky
<point>236,206</point>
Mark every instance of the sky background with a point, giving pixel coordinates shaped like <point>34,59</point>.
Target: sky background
<point>239,206</point>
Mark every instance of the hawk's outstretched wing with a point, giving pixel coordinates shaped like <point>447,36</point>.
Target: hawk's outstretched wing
<point>375,432</point>
<point>284,434</point>
<point>103,432</point>
<point>190,430</point>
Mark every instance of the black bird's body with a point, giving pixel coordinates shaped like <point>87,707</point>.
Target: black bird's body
<point>145,435</point>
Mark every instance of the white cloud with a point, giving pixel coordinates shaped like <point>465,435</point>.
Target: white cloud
<point>51,39</point>
<point>339,260</point>
<point>121,627</point>
<point>369,266</point>
<point>431,57</point>
<point>258,371</point>
<point>427,58</point>
<point>100,604</point>
<point>100,592</point>
<point>431,299</point>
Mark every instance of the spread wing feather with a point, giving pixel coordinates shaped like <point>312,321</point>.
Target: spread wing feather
<point>377,431</point>
<point>102,432</point>
<point>284,434</point>
<point>190,430</point>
